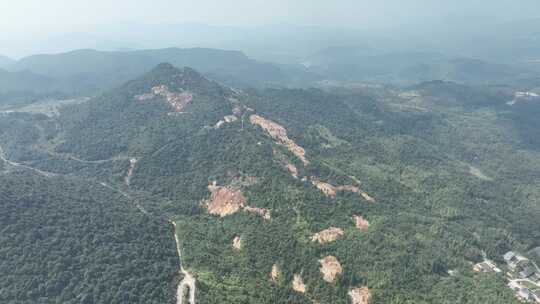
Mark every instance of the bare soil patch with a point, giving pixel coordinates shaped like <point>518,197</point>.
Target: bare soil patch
<point>176,100</point>
<point>330,268</point>
<point>368,197</point>
<point>327,235</point>
<point>360,295</point>
<point>224,201</point>
<point>360,222</point>
<point>326,188</point>
<point>348,188</point>
<point>292,169</point>
<point>237,243</point>
<point>225,120</point>
<point>275,274</point>
<point>298,284</point>
<point>279,133</point>
<point>331,190</point>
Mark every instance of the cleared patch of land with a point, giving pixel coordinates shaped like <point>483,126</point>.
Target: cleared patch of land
<point>224,201</point>
<point>360,295</point>
<point>275,274</point>
<point>298,284</point>
<point>176,100</point>
<point>327,235</point>
<point>279,133</point>
<point>330,268</point>
<point>360,222</point>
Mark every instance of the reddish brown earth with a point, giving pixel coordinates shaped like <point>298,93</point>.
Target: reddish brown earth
<point>224,201</point>
<point>279,134</point>
<point>328,235</point>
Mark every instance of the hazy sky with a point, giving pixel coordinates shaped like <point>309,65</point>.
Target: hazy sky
<point>22,20</point>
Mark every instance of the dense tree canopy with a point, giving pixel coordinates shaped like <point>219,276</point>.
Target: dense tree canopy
<point>452,178</point>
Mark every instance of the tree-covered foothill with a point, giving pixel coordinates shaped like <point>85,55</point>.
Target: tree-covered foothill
<point>70,241</point>
<point>454,172</point>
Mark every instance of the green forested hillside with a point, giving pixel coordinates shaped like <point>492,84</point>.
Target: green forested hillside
<point>25,81</point>
<point>439,174</point>
<point>73,241</point>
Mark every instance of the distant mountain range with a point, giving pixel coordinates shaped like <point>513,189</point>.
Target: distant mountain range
<point>405,68</point>
<point>5,61</point>
<point>90,70</point>
<point>25,81</point>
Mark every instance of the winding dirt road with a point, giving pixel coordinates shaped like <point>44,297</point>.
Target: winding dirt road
<point>188,282</point>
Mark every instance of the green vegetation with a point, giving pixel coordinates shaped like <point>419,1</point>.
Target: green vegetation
<point>71,241</point>
<point>433,215</point>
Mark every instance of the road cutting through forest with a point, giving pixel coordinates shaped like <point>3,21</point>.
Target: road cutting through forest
<point>15,164</point>
<point>188,281</point>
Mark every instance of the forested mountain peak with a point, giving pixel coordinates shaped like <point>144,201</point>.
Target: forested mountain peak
<point>161,102</point>
<point>177,77</point>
